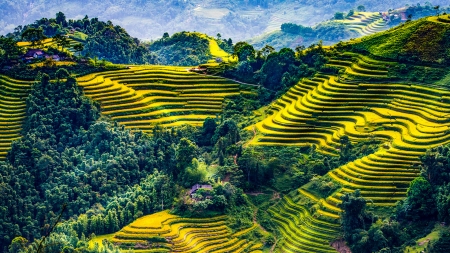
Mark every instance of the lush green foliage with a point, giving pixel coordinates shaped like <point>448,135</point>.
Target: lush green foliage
<point>8,51</point>
<point>275,71</point>
<point>181,49</point>
<point>104,40</point>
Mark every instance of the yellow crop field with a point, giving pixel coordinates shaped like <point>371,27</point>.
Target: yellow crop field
<point>171,233</point>
<point>13,94</point>
<point>408,118</point>
<point>145,96</point>
<point>50,43</point>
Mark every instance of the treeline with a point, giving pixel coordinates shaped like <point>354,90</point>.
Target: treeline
<point>274,71</point>
<point>181,49</point>
<point>327,31</point>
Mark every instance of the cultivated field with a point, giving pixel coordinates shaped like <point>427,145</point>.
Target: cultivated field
<point>365,23</point>
<point>143,97</point>
<point>50,43</point>
<point>13,94</point>
<point>361,103</point>
<point>164,232</point>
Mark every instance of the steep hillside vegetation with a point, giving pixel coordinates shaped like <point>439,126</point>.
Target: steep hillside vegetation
<point>343,26</point>
<point>189,49</point>
<point>424,41</point>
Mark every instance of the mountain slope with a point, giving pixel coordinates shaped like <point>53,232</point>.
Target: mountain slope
<point>426,40</point>
<point>330,32</point>
<point>360,102</point>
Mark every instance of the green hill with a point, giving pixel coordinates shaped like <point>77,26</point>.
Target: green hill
<point>425,41</point>
<point>330,32</point>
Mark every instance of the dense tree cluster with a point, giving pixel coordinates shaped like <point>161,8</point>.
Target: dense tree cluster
<point>182,49</point>
<point>274,71</point>
<point>104,40</point>
<point>8,51</point>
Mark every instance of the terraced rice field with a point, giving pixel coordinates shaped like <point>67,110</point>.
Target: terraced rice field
<point>50,43</point>
<point>13,94</point>
<point>408,118</point>
<point>365,23</point>
<point>182,235</point>
<point>143,97</point>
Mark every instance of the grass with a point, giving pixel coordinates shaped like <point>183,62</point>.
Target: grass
<point>422,243</point>
<point>98,240</point>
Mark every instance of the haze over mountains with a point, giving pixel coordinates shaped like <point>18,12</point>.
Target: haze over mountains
<point>149,19</point>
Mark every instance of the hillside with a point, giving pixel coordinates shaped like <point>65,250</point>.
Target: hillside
<point>424,41</point>
<point>172,233</point>
<point>361,102</point>
<point>312,150</point>
<point>190,49</point>
<point>330,32</point>
<point>144,97</point>
<point>342,27</point>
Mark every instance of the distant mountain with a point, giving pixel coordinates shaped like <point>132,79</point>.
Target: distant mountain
<point>352,24</point>
<point>148,20</point>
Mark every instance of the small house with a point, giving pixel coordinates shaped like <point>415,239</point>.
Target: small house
<point>32,54</point>
<point>196,187</point>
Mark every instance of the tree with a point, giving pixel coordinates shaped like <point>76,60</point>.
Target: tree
<point>244,51</point>
<point>78,48</point>
<point>61,19</point>
<point>208,129</point>
<point>420,201</point>
<point>17,245</point>
<point>350,13</point>
<point>9,50</point>
<point>339,15</point>
<point>437,9</point>
<point>353,217</point>
<point>266,50</point>
<point>34,35</point>
<point>186,151</point>
<point>361,8</point>
<point>219,36</point>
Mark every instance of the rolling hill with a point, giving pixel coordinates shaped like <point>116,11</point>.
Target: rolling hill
<point>330,32</point>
